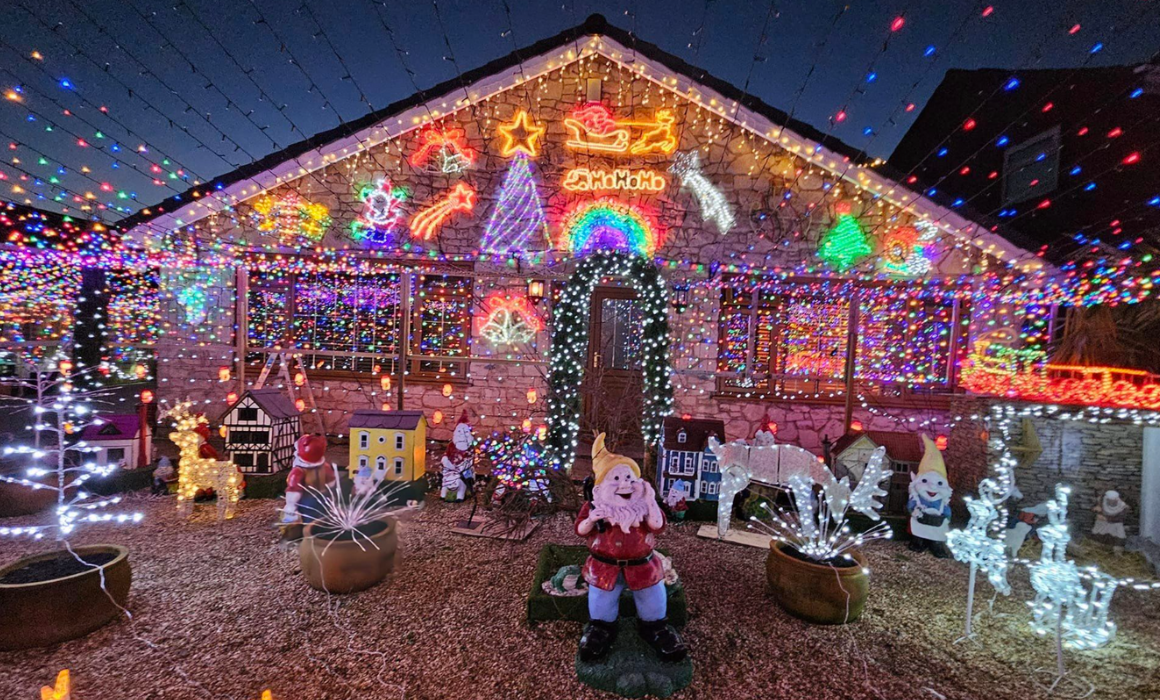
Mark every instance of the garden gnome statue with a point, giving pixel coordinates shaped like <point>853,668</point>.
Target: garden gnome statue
<point>309,470</point>
<point>620,523</point>
<point>677,499</point>
<point>1110,515</point>
<point>364,481</point>
<point>458,463</point>
<point>162,475</point>
<point>930,503</point>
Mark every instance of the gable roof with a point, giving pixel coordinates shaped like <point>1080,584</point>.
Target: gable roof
<point>123,426</point>
<point>399,420</point>
<point>276,404</point>
<point>900,446</point>
<point>697,432</point>
<point>594,36</point>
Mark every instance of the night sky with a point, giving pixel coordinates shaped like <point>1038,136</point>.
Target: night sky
<point>213,116</point>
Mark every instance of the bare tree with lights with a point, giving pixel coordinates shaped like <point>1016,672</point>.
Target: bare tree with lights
<point>59,410</point>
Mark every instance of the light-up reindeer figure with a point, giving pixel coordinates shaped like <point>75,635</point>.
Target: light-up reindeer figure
<point>1077,616</point>
<point>199,468</point>
<point>976,546</point>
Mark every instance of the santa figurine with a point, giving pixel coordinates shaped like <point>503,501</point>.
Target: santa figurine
<point>930,503</point>
<point>458,462</point>
<point>1111,512</point>
<point>766,432</point>
<point>620,524</point>
<point>309,470</point>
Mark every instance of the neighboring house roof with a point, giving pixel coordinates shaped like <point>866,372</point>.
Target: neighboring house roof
<point>113,427</point>
<point>594,37</point>
<point>1082,105</point>
<point>900,446</point>
<point>276,404</point>
<point>697,433</point>
<point>399,420</point>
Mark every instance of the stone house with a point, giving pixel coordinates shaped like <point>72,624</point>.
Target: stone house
<point>423,258</point>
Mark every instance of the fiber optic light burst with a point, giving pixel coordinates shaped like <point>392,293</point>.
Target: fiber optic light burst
<point>608,224</point>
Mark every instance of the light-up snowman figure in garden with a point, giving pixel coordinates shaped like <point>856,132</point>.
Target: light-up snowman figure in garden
<point>1063,605</point>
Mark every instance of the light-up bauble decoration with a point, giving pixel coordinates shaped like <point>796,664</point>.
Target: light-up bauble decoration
<point>520,135</point>
<point>592,127</point>
<point>508,320</point>
<point>846,243</point>
<point>443,150</point>
<point>382,215</point>
<point>427,221</point>
<point>518,215</point>
<point>291,218</point>
<point>714,206</point>
<point>609,224</point>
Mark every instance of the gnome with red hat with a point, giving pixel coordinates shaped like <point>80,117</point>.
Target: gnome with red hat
<point>458,461</point>
<point>309,470</point>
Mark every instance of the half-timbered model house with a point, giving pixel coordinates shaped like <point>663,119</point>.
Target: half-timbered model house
<point>261,428</point>
<point>588,234</point>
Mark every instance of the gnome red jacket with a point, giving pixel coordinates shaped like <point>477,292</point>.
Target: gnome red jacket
<point>615,543</point>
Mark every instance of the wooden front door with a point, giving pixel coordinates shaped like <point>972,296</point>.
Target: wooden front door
<point>612,391</point>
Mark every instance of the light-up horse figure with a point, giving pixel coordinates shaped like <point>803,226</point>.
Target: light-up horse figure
<point>199,468</point>
<point>975,545</point>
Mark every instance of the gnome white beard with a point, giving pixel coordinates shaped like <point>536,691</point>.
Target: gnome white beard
<point>623,513</point>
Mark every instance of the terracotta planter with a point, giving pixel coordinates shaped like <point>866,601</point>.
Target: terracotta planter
<point>345,566</point>
<point>17,500</point>
<point>817,593</point>
<point>47,612</point>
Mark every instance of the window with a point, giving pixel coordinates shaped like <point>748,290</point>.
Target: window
<point>382,439</point>
<point>248,413</point>
<point>363,461</point>
<point>400,441</point>
<point>249,437</point>
<point>351,322</point>
<point>243,459</point>
<point>380,463</point>
<point>790,342</point>
<point>398,466</point>
<point>710,487</point>
<point>115,455</point>
<point>1031,168</point>
<point>364,440</point>
<point>690,468</point>
<point>263,460</point>
<point>682,436</point>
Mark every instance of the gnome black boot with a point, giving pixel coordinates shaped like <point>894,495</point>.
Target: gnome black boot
<point>664,639</point>
<point>597,640</point>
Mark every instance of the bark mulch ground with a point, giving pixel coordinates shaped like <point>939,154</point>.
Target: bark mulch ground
<point>221,612</point>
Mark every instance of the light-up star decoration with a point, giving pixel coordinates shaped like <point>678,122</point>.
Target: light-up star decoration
<point>427,221</point>
<point>521,135</point>
<point>508,320</point>
<point>1063,605</point>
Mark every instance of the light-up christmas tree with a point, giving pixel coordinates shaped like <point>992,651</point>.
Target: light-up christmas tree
<point>846,243</point>
<point>56,461</point>
<point>518,213</point>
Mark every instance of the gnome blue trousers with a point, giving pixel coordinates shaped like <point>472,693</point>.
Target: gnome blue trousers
<point>651,602</point>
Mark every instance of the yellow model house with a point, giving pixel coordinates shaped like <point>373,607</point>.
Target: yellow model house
<point>391,443</point>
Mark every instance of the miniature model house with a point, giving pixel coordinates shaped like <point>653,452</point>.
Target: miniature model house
<point>685,456</point>
<point>903,451</point>
<point>393,444</point>
<point>261,429</point>
<point>119,440</point>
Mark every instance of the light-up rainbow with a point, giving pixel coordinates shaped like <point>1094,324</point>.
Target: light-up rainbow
<point>608,224</point>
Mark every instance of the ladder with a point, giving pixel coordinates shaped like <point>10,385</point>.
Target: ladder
<point>284,360</point>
